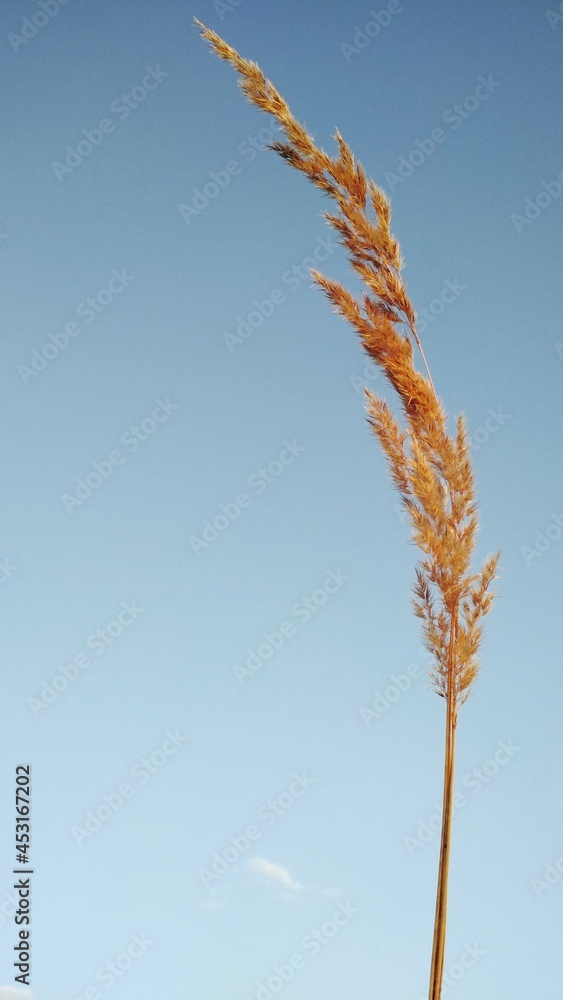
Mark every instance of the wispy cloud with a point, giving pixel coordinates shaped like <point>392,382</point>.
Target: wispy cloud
<point>14,993</point>
<point>274,874</point>
<point>333,890</point>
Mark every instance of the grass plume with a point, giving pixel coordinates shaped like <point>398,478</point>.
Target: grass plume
<point>430,468</point>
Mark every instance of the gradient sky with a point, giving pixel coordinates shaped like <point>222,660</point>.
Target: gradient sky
<point>115,586</point>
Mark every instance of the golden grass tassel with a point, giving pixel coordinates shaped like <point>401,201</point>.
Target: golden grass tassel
<point>430,468</point>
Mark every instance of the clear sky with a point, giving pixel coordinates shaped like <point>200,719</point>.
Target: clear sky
<point>209,657</point>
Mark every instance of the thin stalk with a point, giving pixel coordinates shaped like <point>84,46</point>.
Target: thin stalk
<point>439,940</point>
<point>422,354</point>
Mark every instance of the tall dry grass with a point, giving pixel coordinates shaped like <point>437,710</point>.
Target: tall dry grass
<point>430,468</point>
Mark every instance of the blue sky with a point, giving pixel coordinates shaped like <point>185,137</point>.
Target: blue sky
<point>209,655</point>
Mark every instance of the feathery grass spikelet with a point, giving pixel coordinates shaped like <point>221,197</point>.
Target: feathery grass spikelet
<point>431,470</point>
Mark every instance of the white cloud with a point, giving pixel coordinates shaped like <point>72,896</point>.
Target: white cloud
<point>14,993</point>
<point>271,872</point>
<point>208,905</point>
<point>332,891</point>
